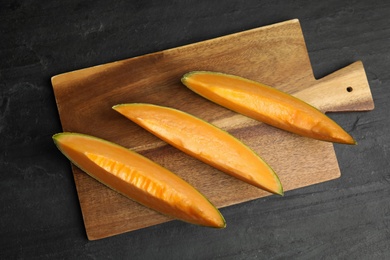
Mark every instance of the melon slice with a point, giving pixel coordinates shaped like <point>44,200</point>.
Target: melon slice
<point>138,178</point>
<point>266,104</point>
<point>205,142</point>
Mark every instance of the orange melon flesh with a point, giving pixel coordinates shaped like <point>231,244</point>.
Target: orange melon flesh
<point>266,104</point>
<point>204,142</point>
<point>139,179</point>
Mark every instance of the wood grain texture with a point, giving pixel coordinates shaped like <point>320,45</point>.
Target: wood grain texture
<point>346,218</point>
<point>275,55</point>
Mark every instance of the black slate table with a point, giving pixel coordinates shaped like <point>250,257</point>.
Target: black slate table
<point>347,218</point>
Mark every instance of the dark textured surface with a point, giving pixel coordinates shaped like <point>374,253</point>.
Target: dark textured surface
<point>348,218</point>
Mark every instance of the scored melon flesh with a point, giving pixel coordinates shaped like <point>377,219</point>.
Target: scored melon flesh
<point>266,104</point>
<point>138,178</point>
<point>205,142</point>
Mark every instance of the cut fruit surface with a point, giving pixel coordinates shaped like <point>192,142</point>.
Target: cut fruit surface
<point>205,142</point>
<point>266,104</point>
<point>138,178</point>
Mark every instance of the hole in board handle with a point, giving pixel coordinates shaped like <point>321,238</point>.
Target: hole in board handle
<point>349,89</point>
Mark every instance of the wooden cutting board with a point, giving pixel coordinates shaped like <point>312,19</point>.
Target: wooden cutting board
<point>275,55</point>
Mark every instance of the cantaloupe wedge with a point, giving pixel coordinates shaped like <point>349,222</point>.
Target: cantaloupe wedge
<point>266,104</point>
<point>204,142</point>
<point>138,178</point>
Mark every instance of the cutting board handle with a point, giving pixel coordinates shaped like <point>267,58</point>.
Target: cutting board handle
<point>344,90</point>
